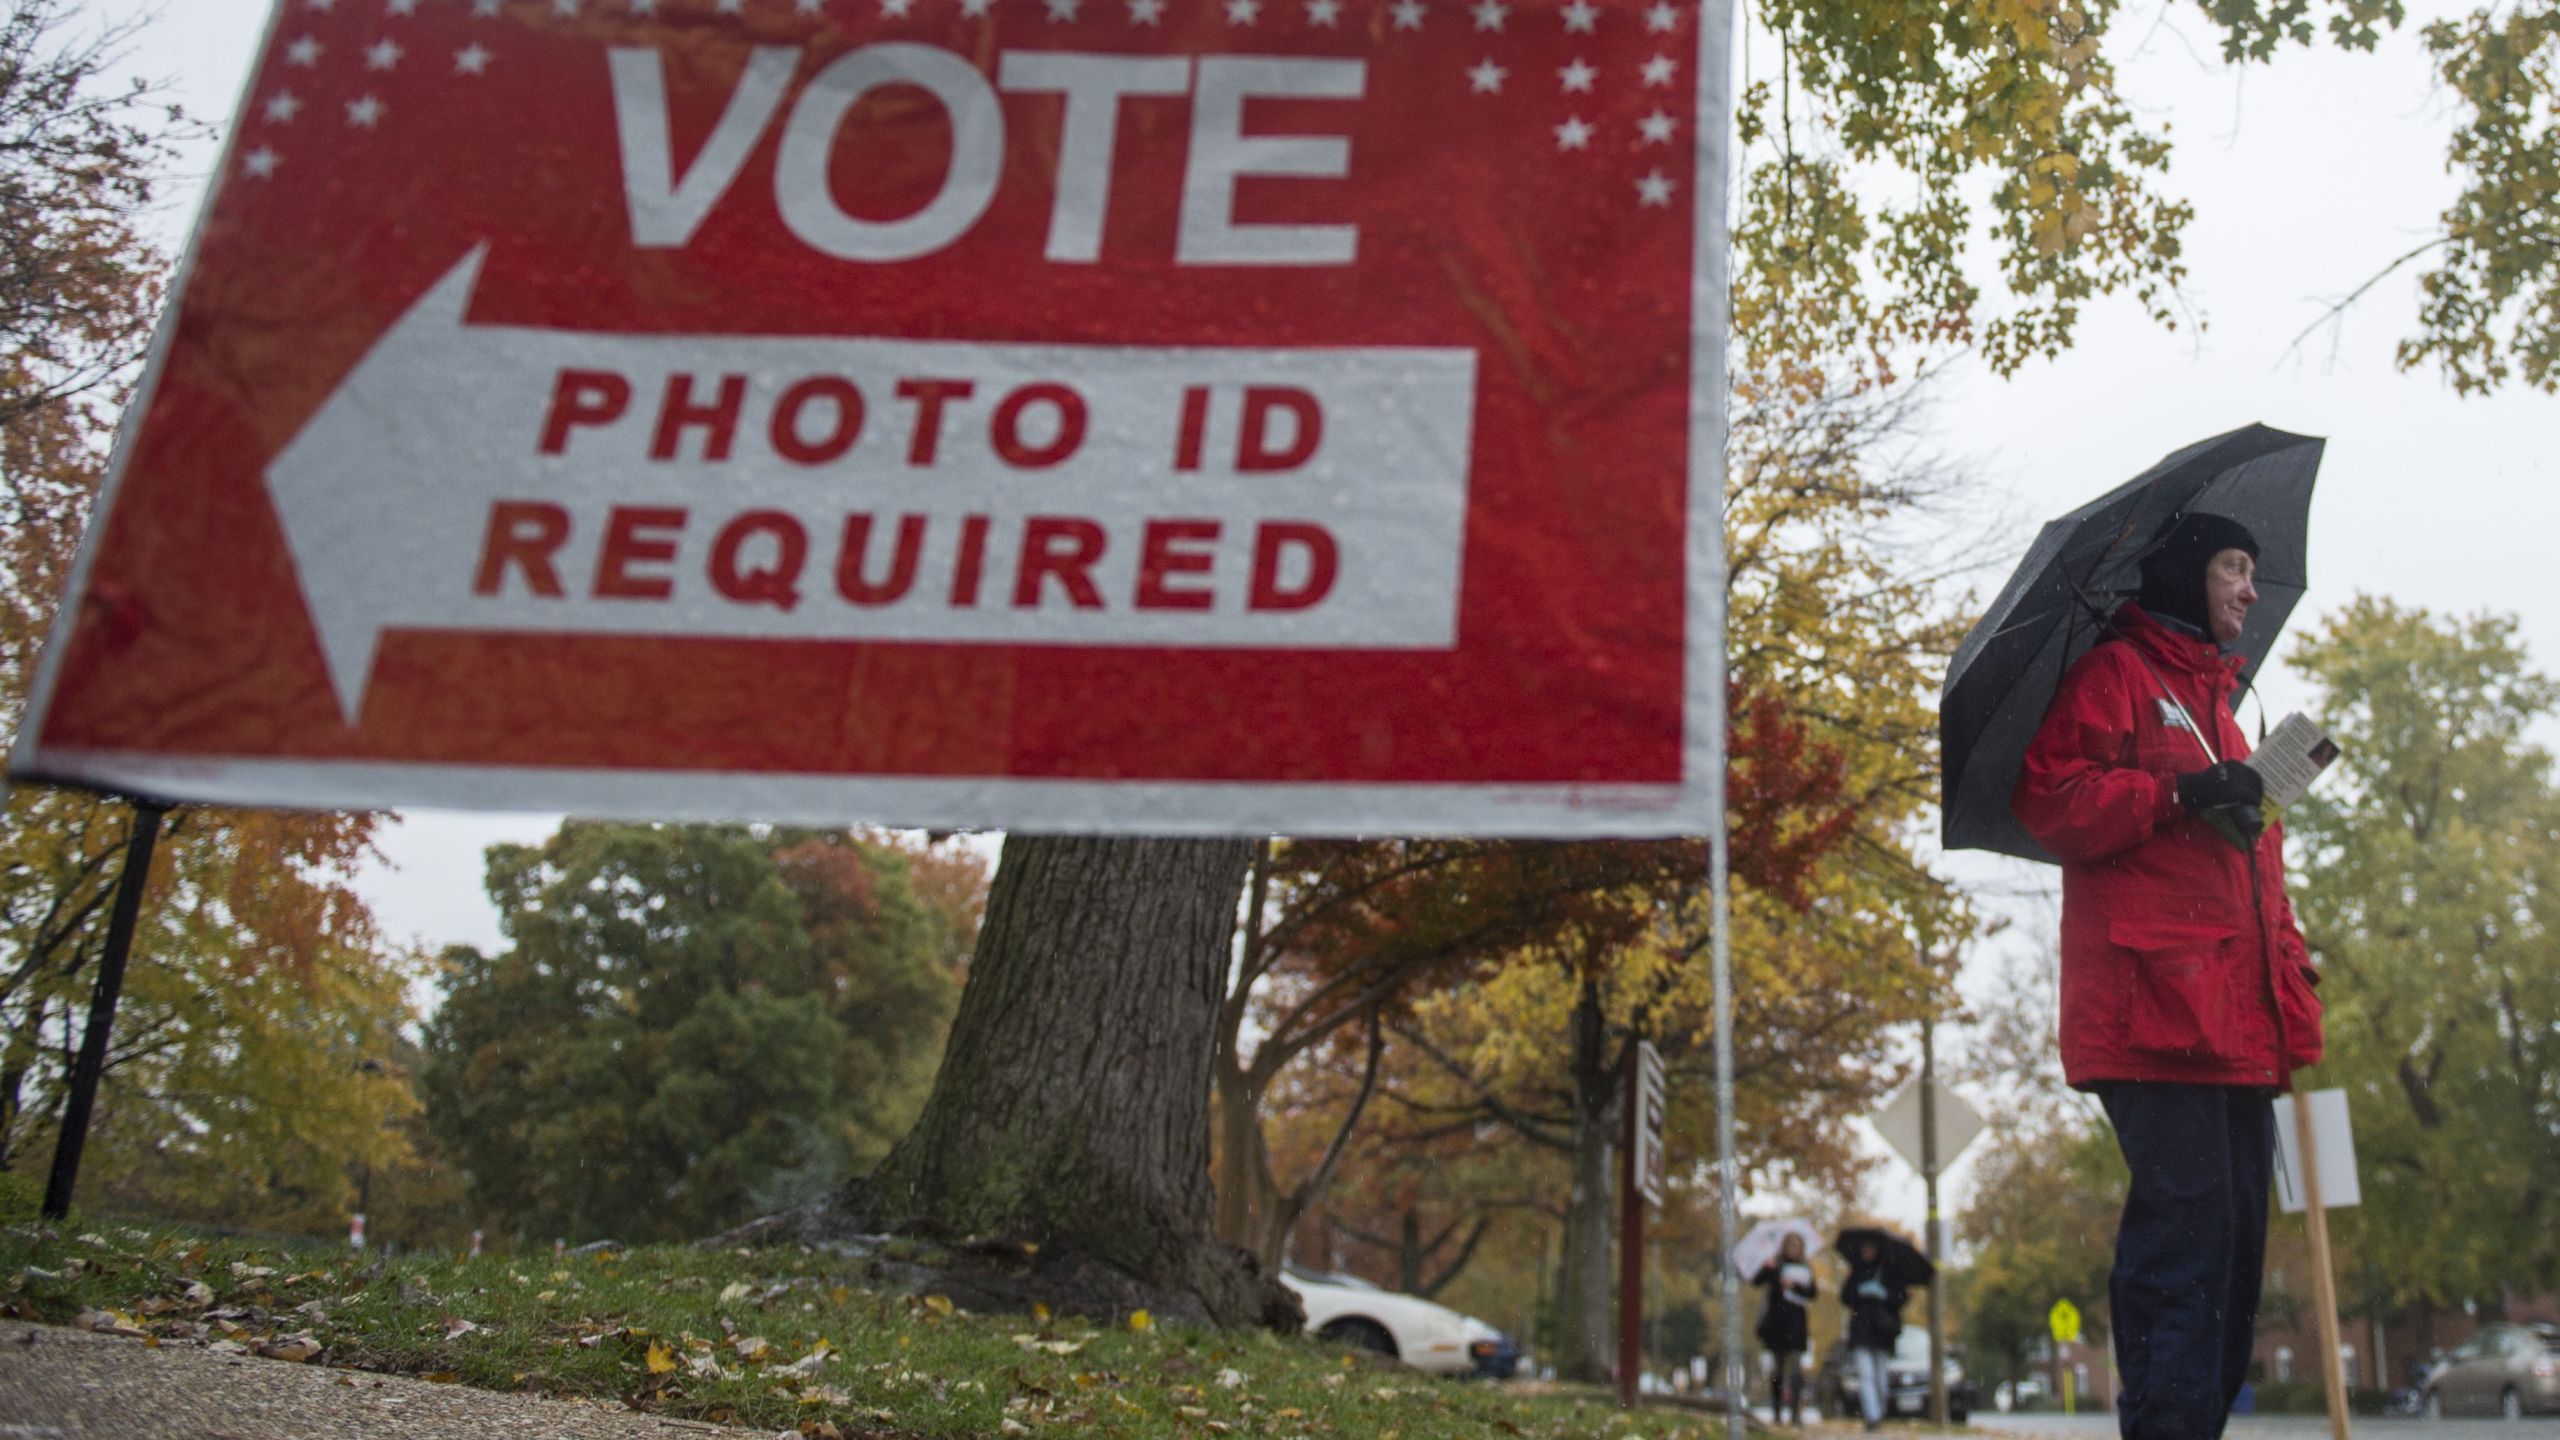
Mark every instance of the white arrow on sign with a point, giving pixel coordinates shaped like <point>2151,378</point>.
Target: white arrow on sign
<point>455,456</point>
<point>1899,1123</point>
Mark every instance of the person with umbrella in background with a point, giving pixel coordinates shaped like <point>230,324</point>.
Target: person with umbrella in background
<point>1788,1277</point>
<point>2187,991</point>
<point>1882,1269</point>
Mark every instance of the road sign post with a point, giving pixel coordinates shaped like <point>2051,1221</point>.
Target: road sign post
<point>1644,1114</point>
<point>1928,1125</point>
<point>2063,1322</point>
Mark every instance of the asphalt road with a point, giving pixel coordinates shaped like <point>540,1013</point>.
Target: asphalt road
<point>2283,1427</point>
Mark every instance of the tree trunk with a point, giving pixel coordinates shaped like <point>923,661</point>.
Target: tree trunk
<point>1248,1198</point>
<point>1583,1313</point>
<point>1072,1107</point>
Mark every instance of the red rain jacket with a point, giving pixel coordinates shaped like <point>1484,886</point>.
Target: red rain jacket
<point>2180,957</point>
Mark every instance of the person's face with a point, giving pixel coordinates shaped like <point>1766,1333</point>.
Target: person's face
<point>2230,588</point>
<point>1792,1247</point>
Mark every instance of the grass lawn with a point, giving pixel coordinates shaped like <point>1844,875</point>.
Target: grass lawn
<point>776,1339</point>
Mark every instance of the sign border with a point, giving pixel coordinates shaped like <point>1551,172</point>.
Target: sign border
<point>1693,806</point>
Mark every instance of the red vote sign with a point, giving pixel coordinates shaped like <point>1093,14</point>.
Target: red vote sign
<point>1126,415</point>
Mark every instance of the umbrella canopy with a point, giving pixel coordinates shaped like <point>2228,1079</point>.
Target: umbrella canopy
<point>1903,1263</point>
<point>1761,1243</point>
<point>2081,566</point>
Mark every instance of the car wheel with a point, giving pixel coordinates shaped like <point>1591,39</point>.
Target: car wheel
<point>2434,1406</point>
<point>1366,1335</point>
<point>2511,1404</point>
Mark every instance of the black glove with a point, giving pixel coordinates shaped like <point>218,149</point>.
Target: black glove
<point>2229,783</point>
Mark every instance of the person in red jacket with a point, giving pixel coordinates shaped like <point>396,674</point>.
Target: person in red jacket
<point>2187,993</point>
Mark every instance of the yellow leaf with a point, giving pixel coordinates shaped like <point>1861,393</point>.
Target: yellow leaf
<point>1141,1321</point>
<point>662,1358</point>
<point>938,1304</point>
<point>1040,1312</point>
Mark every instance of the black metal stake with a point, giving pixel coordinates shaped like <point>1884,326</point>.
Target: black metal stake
<point>102,1008</point>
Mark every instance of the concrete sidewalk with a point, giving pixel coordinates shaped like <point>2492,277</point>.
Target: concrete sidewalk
<point>58,1384</point>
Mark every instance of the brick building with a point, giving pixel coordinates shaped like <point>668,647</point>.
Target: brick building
<point>2376,1349</point>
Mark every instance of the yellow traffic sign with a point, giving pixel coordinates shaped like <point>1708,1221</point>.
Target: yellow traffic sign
<point>2065,1319</point>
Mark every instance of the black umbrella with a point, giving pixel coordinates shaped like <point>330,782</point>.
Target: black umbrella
<point>2055,605</point>
<point>1904,1265</point>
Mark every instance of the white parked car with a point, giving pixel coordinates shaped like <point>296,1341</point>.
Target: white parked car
<point>1350,1311</point>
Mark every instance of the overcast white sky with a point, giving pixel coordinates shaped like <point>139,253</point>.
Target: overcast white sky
<point>2307,176</point>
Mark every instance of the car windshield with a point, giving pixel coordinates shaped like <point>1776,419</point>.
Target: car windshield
<point>1320,1277</point>
<point>1913,1347</point>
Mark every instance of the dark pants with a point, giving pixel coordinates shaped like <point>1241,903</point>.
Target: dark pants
<point>1786,1385</point>
<point>2190,1252</point>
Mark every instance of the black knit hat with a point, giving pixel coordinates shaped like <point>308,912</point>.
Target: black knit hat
<point>2173,571</point>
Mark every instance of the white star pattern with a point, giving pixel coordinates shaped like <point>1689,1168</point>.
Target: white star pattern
<point>1659,124</point>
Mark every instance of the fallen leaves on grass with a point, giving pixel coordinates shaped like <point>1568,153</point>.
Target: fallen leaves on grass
<point>300,1349</point>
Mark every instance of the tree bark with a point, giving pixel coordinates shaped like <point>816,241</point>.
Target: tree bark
<point>1072,1108</point>
<point>1247,1197</point>
<point>1582,1309</point>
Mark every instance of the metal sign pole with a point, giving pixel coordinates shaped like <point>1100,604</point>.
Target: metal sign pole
<point>1631,1233</point>
<point>1929,1174</point>
<point>1727,1175</point>
<point>92,1064</point>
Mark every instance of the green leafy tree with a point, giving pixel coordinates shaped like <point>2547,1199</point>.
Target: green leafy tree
<point>2490,309</point>
<point>690,1023</point>
<point>259,985</point>
<point>2041,1228</point>
<point>2428,871</point>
